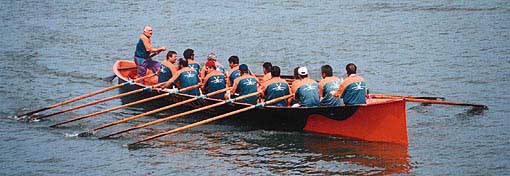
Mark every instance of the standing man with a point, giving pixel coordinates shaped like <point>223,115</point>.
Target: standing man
<point>353,89</point>
<point>214,80</point>
<point>144,52</point>
<point>305,90</point>
<point>185,77</point>
<point>329,83</point>
<point>275,87</point>
<point>245,84</point>
<point>167,68</point>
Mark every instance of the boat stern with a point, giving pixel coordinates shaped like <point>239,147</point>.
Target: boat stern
<point>380,120</point>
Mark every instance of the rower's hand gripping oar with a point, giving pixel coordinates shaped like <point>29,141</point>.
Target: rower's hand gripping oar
<point>210,120</point>
<point>151,112</point>
<point>100,101</point>
<point>85,96</point>
<point>182,114</point>
<point>125,105</point>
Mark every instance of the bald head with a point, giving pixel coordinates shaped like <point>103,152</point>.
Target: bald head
<point>147,31</point>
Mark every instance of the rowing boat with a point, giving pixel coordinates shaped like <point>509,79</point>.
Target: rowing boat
<point>380,120</point>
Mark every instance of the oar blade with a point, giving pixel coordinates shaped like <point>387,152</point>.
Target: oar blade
<point>109,78</point>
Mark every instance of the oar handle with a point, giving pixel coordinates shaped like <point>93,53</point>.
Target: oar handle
<point>212,119</point>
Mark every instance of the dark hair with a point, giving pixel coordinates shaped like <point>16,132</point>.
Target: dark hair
<point>350,68</point>
<point>267,66</point>
<point>327,70</point>
<point>183,62</point>
<point>233,59</point>
<point>188,53</point>
<point>169,54</point>
<point>296,73</point>
<point>275,71</point>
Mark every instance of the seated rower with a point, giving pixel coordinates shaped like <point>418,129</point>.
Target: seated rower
<point>305,90</point>
<point>189,55</point>
<point>243,85</point>
<point>219,67</point>
<point>214,80</point>
<point>266,68</point>
<point>233,62</point>
<point>353,89</point>
<point>275,87</point>
<point>328,84</point>
<point>167,68</point>
<point>185,77</point>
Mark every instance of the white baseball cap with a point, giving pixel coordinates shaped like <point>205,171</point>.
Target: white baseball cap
<point>302,71</point>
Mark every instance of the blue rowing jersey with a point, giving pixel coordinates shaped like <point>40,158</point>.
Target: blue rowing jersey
<point>187,77</point>
<point>244,85</point>
<point>326,86</point>
<point>166,71</point>
<point>353,90</point>
<point>306,92</point>
<point>194,65</point>
<point>141,51</point>
<point>233,74</point>
<point>215,81</point>
<point>274,88</point>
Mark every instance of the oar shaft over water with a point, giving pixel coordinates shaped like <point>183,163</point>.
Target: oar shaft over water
<point>98,101</point>
<point>122,106</point>
<point>445,103</point>
<point>157,110</point>
<point>211,119</point>
<point>181,114</point>
<point>83,96</point>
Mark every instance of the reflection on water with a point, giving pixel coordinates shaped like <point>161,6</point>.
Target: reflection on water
<point>301,153</point>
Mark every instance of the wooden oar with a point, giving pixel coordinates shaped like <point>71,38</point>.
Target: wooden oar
<point>445,103</point>
<point>182,114</point>
<point>211,119</point>
<point>99,101</point>
<point>85,96</point>
<point>390,96</point>
<point>158,110</point>
<point>123,106</point>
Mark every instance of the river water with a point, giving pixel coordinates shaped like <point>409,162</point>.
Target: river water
<point>55,50</point>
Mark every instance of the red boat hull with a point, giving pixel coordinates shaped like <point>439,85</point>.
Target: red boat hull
<point>381,120</point>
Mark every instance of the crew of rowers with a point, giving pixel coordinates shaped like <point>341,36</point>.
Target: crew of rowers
<point>330,91</point>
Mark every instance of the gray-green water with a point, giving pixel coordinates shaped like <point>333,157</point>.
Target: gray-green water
<point>52,51</point>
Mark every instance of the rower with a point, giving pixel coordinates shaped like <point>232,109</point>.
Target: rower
<point>144,52</point>
<point>189,55</point>
<point>305,90</point>
<point>167,68</point>
<point>219,67</point>
<point>185,77</point>
<point>328,84</point>
<point>275,87</point>
<point>266,68</point>
<point>214,80</point>
<point>353,88</point>
<point>243,85</point>
<point>233,62</point>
